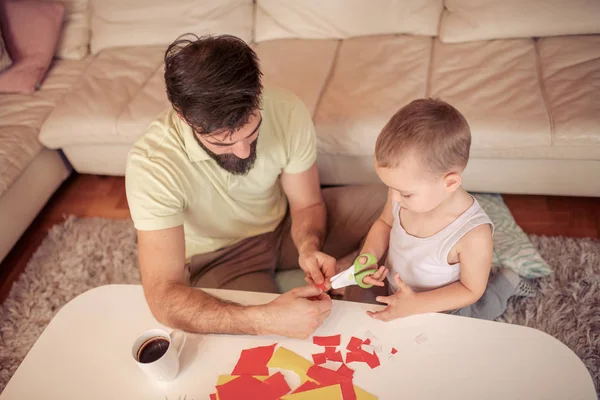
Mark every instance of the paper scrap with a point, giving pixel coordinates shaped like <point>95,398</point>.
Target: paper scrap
<point>321,286</point>
<point>213,396</point>
<point>319,358</point>
<point>394,351</point>
<point>346,371</point>
<point>287,359</point>
<point>327,392</point>
<point>240,387</point>
<point>368,348</point>
<point>278,385</point>
<point>354,344</point>
<point>223,379</point>
<point>362,356</point>
<point>332,354</point>
<point>325,376</point>
<point>254,361</point>
<point>308,385</point>
<point>368,341</point>
<point>348,392</point>
<point>327,340</point>
<point>422,338</point>
<point>334,365</point>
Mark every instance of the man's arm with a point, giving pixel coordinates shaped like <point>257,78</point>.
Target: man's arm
<point>174,303</point>
<point>309,222</point>
<point>171,299</point>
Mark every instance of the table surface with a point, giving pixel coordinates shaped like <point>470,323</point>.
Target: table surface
<point>85,353</point>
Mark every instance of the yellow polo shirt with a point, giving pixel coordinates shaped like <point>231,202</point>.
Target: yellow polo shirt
<point>171,180</point>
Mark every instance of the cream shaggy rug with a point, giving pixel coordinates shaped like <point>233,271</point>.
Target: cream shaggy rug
<point>84,253</point>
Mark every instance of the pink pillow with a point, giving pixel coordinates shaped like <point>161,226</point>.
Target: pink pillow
<point>31,30</point>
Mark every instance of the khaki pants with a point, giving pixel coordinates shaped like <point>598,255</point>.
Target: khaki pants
<point>251,263</point>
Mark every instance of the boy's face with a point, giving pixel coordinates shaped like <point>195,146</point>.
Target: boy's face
<point>415,189</point>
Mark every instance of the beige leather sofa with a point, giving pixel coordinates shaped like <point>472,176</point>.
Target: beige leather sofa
<point>526,73</point>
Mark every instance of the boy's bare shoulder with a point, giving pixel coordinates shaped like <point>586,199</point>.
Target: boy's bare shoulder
<point>478,238</point>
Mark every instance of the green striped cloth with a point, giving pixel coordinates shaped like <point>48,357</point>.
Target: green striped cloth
<point>512,247</point>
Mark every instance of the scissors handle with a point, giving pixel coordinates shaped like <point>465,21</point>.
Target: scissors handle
<point>359,269</point>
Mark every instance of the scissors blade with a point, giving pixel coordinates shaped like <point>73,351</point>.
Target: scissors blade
<point>343,279</point>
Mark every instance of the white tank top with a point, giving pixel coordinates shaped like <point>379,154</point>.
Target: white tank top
<point>422,263</point>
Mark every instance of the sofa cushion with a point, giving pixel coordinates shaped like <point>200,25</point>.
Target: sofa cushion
<point>18,147</point>
<point>317,19</point>
<point>113,78</point>
<point>30,110</point>
<point>495,84</point>
<point>118,23</point>
<point>75,36</point>
<point>373,77</point>
<point>467,20</point>
<point>571,77</point>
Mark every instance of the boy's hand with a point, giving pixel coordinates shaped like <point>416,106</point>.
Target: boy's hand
<point>400,304</point>
<point>378,277</point>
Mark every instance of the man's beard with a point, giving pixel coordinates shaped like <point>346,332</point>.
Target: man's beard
<point>230,162</point>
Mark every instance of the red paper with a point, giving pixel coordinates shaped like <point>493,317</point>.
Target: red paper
<point>308,385</point>
<point>346,371</point>
<point>245,387</point>
<point>354,343</point>
<point>213,396</point>
<point>371,359</point>
<point>278,385</point>
<point>325,376</point>
<point>363,356</point>
<point>394,351</point>
<point>354,356</point>
<point>254,361</point>
<point>319,358</point>
<point>322,286</point>
<point>332,354</point>
<point>327,340</point>
<point>347,390</point>
<point>368,341</point>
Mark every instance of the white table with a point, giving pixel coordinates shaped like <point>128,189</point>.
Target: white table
<point>84,353</point>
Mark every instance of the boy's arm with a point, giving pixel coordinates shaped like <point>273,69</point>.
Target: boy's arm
<point>475,256</point>
<point>378,238</point>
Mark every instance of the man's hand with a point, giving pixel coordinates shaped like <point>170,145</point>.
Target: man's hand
<point>317,266</point>
<point>293,315</point>
<point>400,304</point>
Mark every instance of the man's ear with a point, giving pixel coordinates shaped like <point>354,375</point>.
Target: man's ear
<point>452,181</point>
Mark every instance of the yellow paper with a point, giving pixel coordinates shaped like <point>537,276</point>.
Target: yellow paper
<point>223,379</point>
<point>333,392</point>
<point>362,395</point>
<point>287,359</point>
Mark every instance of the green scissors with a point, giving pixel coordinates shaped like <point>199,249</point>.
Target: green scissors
<point>356,273</point>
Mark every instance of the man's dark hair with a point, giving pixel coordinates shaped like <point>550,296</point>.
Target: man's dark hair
<point>213,82</point>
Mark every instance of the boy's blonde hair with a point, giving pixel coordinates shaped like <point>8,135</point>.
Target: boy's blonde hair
<point>436,130</point>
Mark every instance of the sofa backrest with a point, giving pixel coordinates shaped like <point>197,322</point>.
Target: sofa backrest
<point>103,24</point>
<point>116,23</point>
<point>469,20</point>
<point>340,19</point>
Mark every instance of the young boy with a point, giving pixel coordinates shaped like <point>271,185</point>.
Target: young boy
<point>437,237</point>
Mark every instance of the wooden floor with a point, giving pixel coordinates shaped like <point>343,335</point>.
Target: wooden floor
<point>97,196</point>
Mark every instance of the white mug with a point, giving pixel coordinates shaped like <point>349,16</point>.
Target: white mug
<point>163,367</point>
